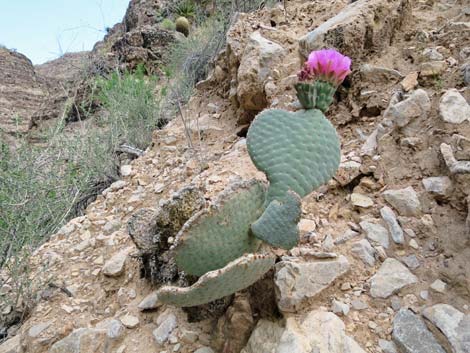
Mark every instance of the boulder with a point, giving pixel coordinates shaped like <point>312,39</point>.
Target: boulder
<point>255,70</point>
<point>412,336</point>
<point>359,29</point>
<point>296,282</point>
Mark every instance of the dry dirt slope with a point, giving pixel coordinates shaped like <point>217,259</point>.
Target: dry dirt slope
<point>399,113</point>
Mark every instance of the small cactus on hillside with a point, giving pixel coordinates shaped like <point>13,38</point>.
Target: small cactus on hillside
<point>182,25</point>
<point>298,152</point>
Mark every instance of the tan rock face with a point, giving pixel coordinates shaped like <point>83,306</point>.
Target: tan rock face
<point>22,92</point>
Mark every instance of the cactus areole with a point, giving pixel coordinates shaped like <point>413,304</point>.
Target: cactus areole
<point>298,152</point>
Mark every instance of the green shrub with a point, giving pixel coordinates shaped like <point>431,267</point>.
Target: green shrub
<point>168,24</point>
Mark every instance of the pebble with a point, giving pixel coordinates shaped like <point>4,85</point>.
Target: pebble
<point>339,307</point>
<point>424,294</point>
<point>439,286</point>
<point>150,302</point>
<point>204,350</point>
<point>163,331</point>
<point>362,201</point>
<point>453,108</point>
<point>411,261</point>
<point>130,321</point>
<point>126,170</point>
<point>115,265</point>
<point>414,244</point>
<point>364,251</point>
<point>358,304</point>
<point>439,187</point>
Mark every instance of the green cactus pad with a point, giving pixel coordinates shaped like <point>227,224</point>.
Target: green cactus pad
<point>221,233</point>
<point>298,151</point>
<point>278,224</point>
<point>236,276</point>
<point>306,94</point>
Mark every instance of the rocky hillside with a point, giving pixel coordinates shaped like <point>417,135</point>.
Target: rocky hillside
<point>383,260</point>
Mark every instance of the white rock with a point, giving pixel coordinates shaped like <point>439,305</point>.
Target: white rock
<point>204,350</point>
<point>129,321</point>
<point>115,265</point>
<point>376,233</point>
<point>363,250</point>
<point>163,331</point>
<point>393,226</point>
<point>150,302</point>
<point>415,106</point>
<point>339,307</point>
<point>37,329</point>
<point>11,346</point>
<point>453,108</point>
<point>438,186</point>
<point>360,200</point>
<point>405,201</point>
<point>439,286</point>
<point>297,282</point>
<point>390,278</point>
<point>126,170</point>
<point>452,323</point>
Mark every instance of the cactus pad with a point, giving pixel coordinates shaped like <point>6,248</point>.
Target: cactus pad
<point>298,151</point>
<point>221,233</point>
<point>278,224</point>
<point>236,276</point>
<point>324,95</point>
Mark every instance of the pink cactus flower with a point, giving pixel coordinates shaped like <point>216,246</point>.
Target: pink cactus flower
<point>327,65</point>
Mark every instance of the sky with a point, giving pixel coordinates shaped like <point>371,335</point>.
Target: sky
<point>45,29</point>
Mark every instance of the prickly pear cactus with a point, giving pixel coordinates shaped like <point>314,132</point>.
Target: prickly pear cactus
<point>324,95</point>
<point>278,224</point>
<point>221,233</point>
<point>298,151</point>
<point>236,276</point>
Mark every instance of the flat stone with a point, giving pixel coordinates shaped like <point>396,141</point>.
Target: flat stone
<point>362,201</point>
<point>166,327</point>
<point>364,251</point>
<point>37,329</point>
<point>358,304</point>
<point>82,340</point>
<point>453,108</point>
<point>377,234</point>
<point>306,226</point>
<point>150,302</point>
<point>452,323</point>
<point>387,346</point>
<point>405,201</point>
<point>296,282</point>
<point>432,68</point>
<point>390,278</point>
<point>115,329</point>
<point>115,265</point>
<point>432,54</point>
<point>416,105</point>
<point>348,235</point>
<point>126,170</point>
<point>439,187</point>
<point>130,321</point>
<point>439,286</point>
<point>187,336</point>
<point>412,336</point>
<point>411,261</point>
<point>393,226</point>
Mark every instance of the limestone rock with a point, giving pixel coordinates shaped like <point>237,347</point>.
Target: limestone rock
<point>415,106</point>
<point>387,346</point>
<point>453,108</point>
<point>376,233</point>
<point>405,201</point>
<point>439,286</point>
<point>11,346</point>
<point>363,250</point>
<point>432,68</point>
<point>115,265</point>
<point>130,321</point>
<point>390,278</point>
<point>452,323</point>
<point>440,187</point>
<point>296,282</point>
<point>150,302</point>
<point>204,350</point>
<point>318,331</point>
<point>411,334</point>
<point>166,327</point>
<point>360,200</point>
<point>36,330</point>
<point>256,64</point>
<point>339,307</point>
<point>390,218</point>
<point>82,340</point>
<point>354,31</point>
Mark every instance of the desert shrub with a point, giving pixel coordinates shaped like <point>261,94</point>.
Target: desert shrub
<point>168,24</point>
